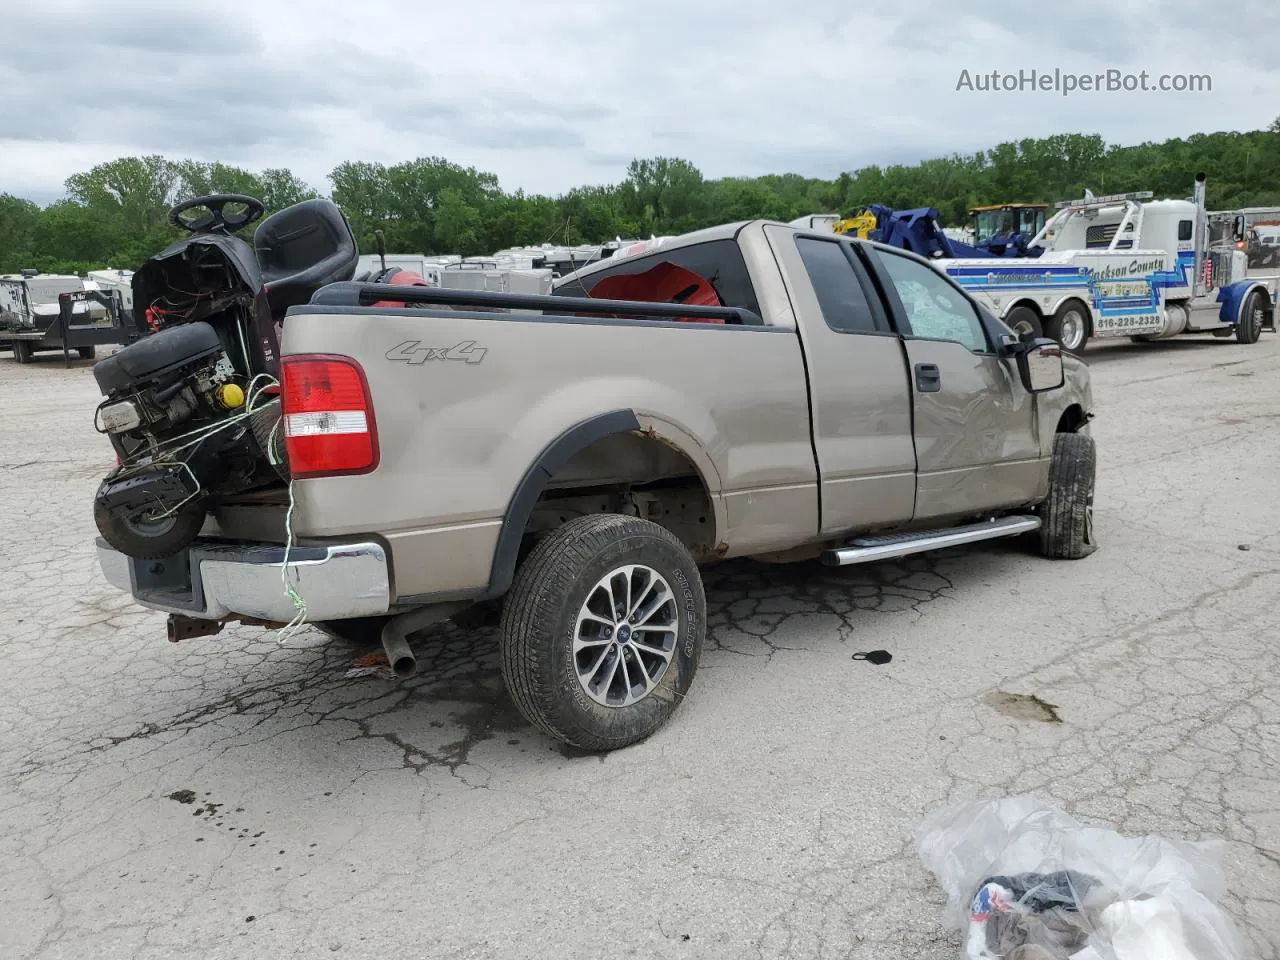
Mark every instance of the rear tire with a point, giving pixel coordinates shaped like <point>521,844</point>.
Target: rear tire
<point>1023,320</point>
<point>1069,325</point>
<point>22,352</point>
<point>1066,531</point>
<point>581,680</point>
<point>87,353</point>
<point>1249,329</point>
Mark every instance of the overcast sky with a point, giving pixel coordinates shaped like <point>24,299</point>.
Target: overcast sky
<point>557,93</point>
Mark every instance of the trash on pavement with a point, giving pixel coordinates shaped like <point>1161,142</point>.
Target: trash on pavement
<point>371,665</point>
<point>1026,881</point>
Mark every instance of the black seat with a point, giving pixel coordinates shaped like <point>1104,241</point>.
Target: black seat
<point>301,248</point>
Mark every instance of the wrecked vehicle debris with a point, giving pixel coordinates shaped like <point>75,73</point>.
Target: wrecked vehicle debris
<point>763,391</point>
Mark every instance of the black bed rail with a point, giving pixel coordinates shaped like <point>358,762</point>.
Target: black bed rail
<point>351,293</point>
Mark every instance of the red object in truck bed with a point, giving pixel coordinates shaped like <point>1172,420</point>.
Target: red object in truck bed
<point>664,283</point>
<point>402,278</point>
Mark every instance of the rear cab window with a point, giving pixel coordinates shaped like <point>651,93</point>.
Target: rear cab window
<point>711,273</point>
<point>844,293</point>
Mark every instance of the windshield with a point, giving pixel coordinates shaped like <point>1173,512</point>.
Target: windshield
<point>998,223</point>
<point>1030,221</point>
<point>991,223</point>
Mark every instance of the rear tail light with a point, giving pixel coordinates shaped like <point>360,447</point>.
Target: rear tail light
<point>327,416</point>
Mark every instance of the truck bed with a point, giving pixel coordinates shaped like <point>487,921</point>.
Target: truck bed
<point>466,399</point>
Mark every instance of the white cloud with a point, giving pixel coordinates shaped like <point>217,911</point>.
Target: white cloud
<point>549,96</point>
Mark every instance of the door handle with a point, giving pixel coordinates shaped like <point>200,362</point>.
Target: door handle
<point>928,378</point>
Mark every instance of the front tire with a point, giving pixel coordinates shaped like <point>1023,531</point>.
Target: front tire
<point>602,631</point>
<point>1249,329</point>
<point>1066,531</point>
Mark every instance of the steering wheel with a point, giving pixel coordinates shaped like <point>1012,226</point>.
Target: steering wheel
<point>217,218</point>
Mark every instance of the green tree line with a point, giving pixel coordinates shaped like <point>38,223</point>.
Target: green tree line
<point>115,214</point>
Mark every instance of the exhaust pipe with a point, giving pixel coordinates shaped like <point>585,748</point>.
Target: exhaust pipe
<point>395,631</point>
<point>1198,287</point>
<point>399,655</point>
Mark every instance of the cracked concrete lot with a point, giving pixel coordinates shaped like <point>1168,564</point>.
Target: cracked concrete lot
<point>232,797</point>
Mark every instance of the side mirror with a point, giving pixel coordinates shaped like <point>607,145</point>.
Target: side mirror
<point>1040,367</point>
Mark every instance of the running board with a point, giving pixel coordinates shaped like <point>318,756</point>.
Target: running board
<point>889,546</point>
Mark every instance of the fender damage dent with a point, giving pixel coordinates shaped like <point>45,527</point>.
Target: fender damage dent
<point>1080,386</point>
<point>534,481</point>
<point>680,440</point>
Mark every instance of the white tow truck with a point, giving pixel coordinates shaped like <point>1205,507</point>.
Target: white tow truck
<point>1124,265</point>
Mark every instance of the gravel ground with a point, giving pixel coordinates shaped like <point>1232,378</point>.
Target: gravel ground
<point>233,797</point>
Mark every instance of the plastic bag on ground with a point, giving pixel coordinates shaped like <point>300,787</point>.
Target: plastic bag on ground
<point>1026,881</point>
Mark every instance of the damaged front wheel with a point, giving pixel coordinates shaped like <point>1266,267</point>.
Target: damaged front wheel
<point>1066,530</point>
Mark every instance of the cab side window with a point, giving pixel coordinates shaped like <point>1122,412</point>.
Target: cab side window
<point>935,309</point>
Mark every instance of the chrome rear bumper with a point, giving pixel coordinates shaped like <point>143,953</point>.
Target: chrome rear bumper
<point>211,580</point>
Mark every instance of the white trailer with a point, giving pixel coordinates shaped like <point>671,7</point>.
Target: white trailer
<point>29,300</point>
<point>112,280</point>
<point>1124,266</point>
<point>45,311</point>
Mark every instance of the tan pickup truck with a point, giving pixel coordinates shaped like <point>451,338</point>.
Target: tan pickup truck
<point>751,390</point>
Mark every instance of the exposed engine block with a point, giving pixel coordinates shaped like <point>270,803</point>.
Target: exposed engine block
<point>181,372</point>
<point>175,410</point>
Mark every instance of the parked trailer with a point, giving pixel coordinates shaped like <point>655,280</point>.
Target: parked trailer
<point>106,280</point>
<point>85,320</point>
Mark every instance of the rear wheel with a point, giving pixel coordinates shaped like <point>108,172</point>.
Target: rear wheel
<point>87,353</point>
<point>1024,322</point>
<point>1066,530</point>
<point>1249,329</point>
<point>22,351</point>
<point>602,630</point>
<point>1069,325</point>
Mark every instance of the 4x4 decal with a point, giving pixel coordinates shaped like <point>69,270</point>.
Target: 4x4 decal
<point>412,351</point>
